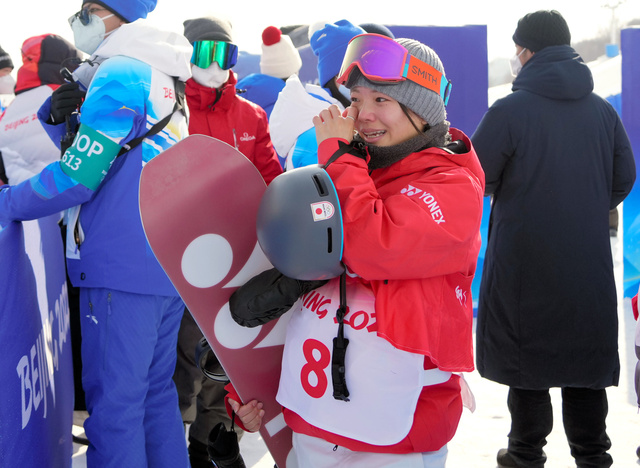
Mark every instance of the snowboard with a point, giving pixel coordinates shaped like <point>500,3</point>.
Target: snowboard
<point>198,204</point>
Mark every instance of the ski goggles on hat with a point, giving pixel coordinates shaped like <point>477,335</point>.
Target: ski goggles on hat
<point>205,53</point>
<point>382,59</point>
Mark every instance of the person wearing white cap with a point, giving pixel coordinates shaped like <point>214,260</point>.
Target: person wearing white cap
<point>279,60</point>
<point>279,56</point>
<point>291,128</point>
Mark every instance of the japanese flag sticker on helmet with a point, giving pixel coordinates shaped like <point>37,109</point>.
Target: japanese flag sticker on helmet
<point>299,224</point>
<point>322,210</point>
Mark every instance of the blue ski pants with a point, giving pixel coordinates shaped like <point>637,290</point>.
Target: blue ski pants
<point>129,356</point>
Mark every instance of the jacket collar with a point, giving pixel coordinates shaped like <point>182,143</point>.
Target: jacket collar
<point>556,72</point>
<point>201,98</point>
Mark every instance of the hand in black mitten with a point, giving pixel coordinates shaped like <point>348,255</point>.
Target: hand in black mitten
<point>267,296</point>
<point>64,101</point>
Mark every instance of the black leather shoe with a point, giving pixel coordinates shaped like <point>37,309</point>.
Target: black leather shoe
<point>504,459</point>
<point>198,456</point>
<point>223,448</point>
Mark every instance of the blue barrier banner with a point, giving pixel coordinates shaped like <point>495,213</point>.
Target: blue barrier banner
<point>484,232</point>
<point>36,408</point>
<point>630,51</point>
<point>469,75</point>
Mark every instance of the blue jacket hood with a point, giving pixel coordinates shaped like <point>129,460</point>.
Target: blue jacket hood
<point>261,89</point>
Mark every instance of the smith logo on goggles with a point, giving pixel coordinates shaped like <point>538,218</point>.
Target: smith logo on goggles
<point>380,58</point>
<point>205,53</point>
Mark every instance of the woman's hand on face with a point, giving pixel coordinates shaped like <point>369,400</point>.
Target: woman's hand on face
<point>331,123</point>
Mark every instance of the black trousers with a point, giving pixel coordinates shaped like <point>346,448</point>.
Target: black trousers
<point>76,336</point>
<point>584,412</point>
<point>201,400</point>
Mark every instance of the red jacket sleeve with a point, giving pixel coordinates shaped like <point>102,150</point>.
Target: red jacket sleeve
<point>231,393</point>
<point>265,157</point>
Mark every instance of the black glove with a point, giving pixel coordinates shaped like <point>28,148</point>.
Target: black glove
<point>64,101</point>
<point>267,296</point>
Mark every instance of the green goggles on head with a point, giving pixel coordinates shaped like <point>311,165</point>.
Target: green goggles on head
<point>205,53</point>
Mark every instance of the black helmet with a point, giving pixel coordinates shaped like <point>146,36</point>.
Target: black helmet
<point>299,224</point>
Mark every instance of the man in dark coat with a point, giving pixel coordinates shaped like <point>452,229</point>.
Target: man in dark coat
<point>557,159</point>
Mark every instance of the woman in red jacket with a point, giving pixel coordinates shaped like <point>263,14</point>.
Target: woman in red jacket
<point>410,190</point>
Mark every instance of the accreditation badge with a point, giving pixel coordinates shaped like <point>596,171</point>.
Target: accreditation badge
<point>89,158</point>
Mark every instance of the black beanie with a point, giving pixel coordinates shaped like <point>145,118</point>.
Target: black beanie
<point>377,28</point>
<point>541,29</point>
<point>207,29</point>
<point>5,60</point>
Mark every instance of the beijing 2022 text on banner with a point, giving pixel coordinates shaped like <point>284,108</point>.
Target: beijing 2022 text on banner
<point>36,408</point>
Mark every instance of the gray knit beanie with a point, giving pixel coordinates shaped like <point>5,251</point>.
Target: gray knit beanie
<point>424,102</point>
<point>207,29</point>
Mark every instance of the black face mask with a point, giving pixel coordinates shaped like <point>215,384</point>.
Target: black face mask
<point>385,156</point>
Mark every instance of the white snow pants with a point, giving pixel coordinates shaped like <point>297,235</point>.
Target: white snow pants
<point>313,452</point>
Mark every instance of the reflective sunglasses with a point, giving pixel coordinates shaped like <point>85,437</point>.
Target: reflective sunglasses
<point>205,53</point>
<point>382,59</point>
<point>84,15</point>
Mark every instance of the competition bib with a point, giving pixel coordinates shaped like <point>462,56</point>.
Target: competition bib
<point>384,382</point>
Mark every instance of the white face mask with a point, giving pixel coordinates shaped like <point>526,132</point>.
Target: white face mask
<point>210,77</point>
<point>88,37</point>
<point>516,64</point>
<point>7,84</point>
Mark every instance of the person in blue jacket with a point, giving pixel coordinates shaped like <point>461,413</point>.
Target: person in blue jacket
<point>130,311</point>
